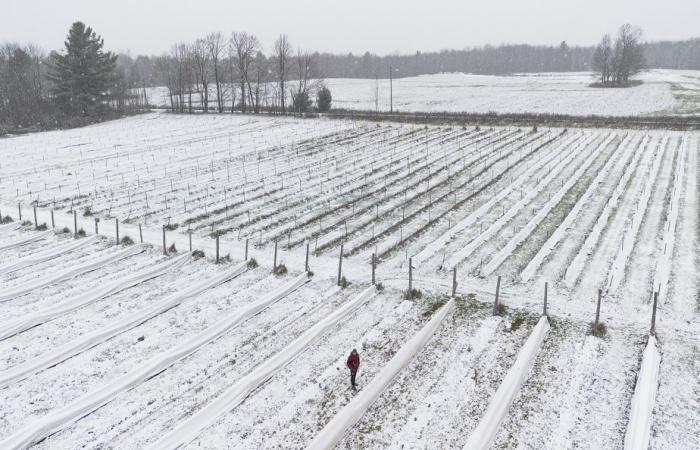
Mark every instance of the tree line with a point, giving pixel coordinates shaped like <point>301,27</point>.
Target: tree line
<point>232,73</point>
<point>487,60</point>
<point>79,85</point>
<point>235,73</point>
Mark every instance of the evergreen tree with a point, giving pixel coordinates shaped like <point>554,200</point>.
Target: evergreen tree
<point>83,74</point>
<point>323,99</point>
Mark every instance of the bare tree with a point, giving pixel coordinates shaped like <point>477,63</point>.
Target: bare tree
<point>245,47</point>
<point>201,59</point>
<point>602,59</point>
<point>215,46</point>
<point>308,80</point>
<point>629,57</point>
<point>615,64</point>
<point>282,53</point>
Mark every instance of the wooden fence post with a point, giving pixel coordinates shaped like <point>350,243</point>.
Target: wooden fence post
<point>217,248</point>
<point>498,292</point>
<point>652,331</point>
<point>116,221</point>
<point>340,264</point>
<point>140,234</point>
<point>36,223</point>
<point>306,262</point>
<point>53,222</point>
<point>454,281</point>
<point>97,230</point>
<point>374,268</point>
<point>410,277</point>
<point>274,261</point>
<point>165,249</point>
<point>546,284</point>
<point>19,210</point>
<point>75,224</point>
<point>189,238</point>
<point>597,309</point>
<point>246,249</point>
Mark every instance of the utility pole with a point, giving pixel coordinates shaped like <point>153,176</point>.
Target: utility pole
<point>391,90</point>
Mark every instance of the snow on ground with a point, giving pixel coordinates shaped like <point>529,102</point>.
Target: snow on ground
<point>662,92</point>
<point>455,196</point>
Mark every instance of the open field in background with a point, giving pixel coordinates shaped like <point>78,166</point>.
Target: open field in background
<point>663,92</point>
<point>134,343</point>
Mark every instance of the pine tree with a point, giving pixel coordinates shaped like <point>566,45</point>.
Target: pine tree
<point>323,99</point>
<point>83,74</point>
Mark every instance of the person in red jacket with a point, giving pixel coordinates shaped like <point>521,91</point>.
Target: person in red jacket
<point>353,364</point>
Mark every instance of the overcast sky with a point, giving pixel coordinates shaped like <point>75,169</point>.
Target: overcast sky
<point>378,26</point>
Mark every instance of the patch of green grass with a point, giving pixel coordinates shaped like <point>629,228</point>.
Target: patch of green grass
<point>517,322</point>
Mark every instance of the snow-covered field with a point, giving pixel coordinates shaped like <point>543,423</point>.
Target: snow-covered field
<point>671,92</point>
<point>125,347</point>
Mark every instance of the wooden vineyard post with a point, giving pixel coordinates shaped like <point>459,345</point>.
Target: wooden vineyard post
<point>189,238</point>
<point>274,261</point>
<point>306,261</point>
<point>374,269</point>
<point>140,234</point>
<point>340,264</point>
<point>246,249</point>
<point>597,309</point>
<point>75,224</point>
<point>19,211</point>
<point>652,331</point>
<point>217,248</point>
<point>546,285</point>
<point>410,277</point>
<point>116,221</point>
<point>498,292</point>
<point>97,230</point>
<point>53,222</point>
<point>454,281</point>
<point>165,249</point>
<point>36,223</point>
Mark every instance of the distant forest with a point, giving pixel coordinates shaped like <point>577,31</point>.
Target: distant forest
<point>499,60</point>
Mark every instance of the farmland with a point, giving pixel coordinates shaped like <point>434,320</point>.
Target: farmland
<point>663,92</point>
<point>129,346</point>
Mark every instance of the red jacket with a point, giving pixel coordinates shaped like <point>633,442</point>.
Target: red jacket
<point>353,362</point>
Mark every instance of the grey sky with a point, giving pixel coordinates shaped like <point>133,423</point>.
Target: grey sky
<point>380,26</point>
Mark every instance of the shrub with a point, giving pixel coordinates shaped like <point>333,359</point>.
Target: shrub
<point>280,270</point>
<point>500,309</point>
<point>252,263</point>
<point>172,226</point>
<point>87,211</point>
<point>126,240</point>
<point>301,102</point>
<point>534,129</point>
<point>27,223</point>
<point>81,232</point>
<point>379,286</point>
<point>412,293</point>
<point>309,273</point>
<point>598,330</point>
<point>343,282</point>
<point>324,99</point>
<point>6,219</point>
<point>197,254</point>
<point>65,230</point>
<point>42,227</point>
<point>172,248</point>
